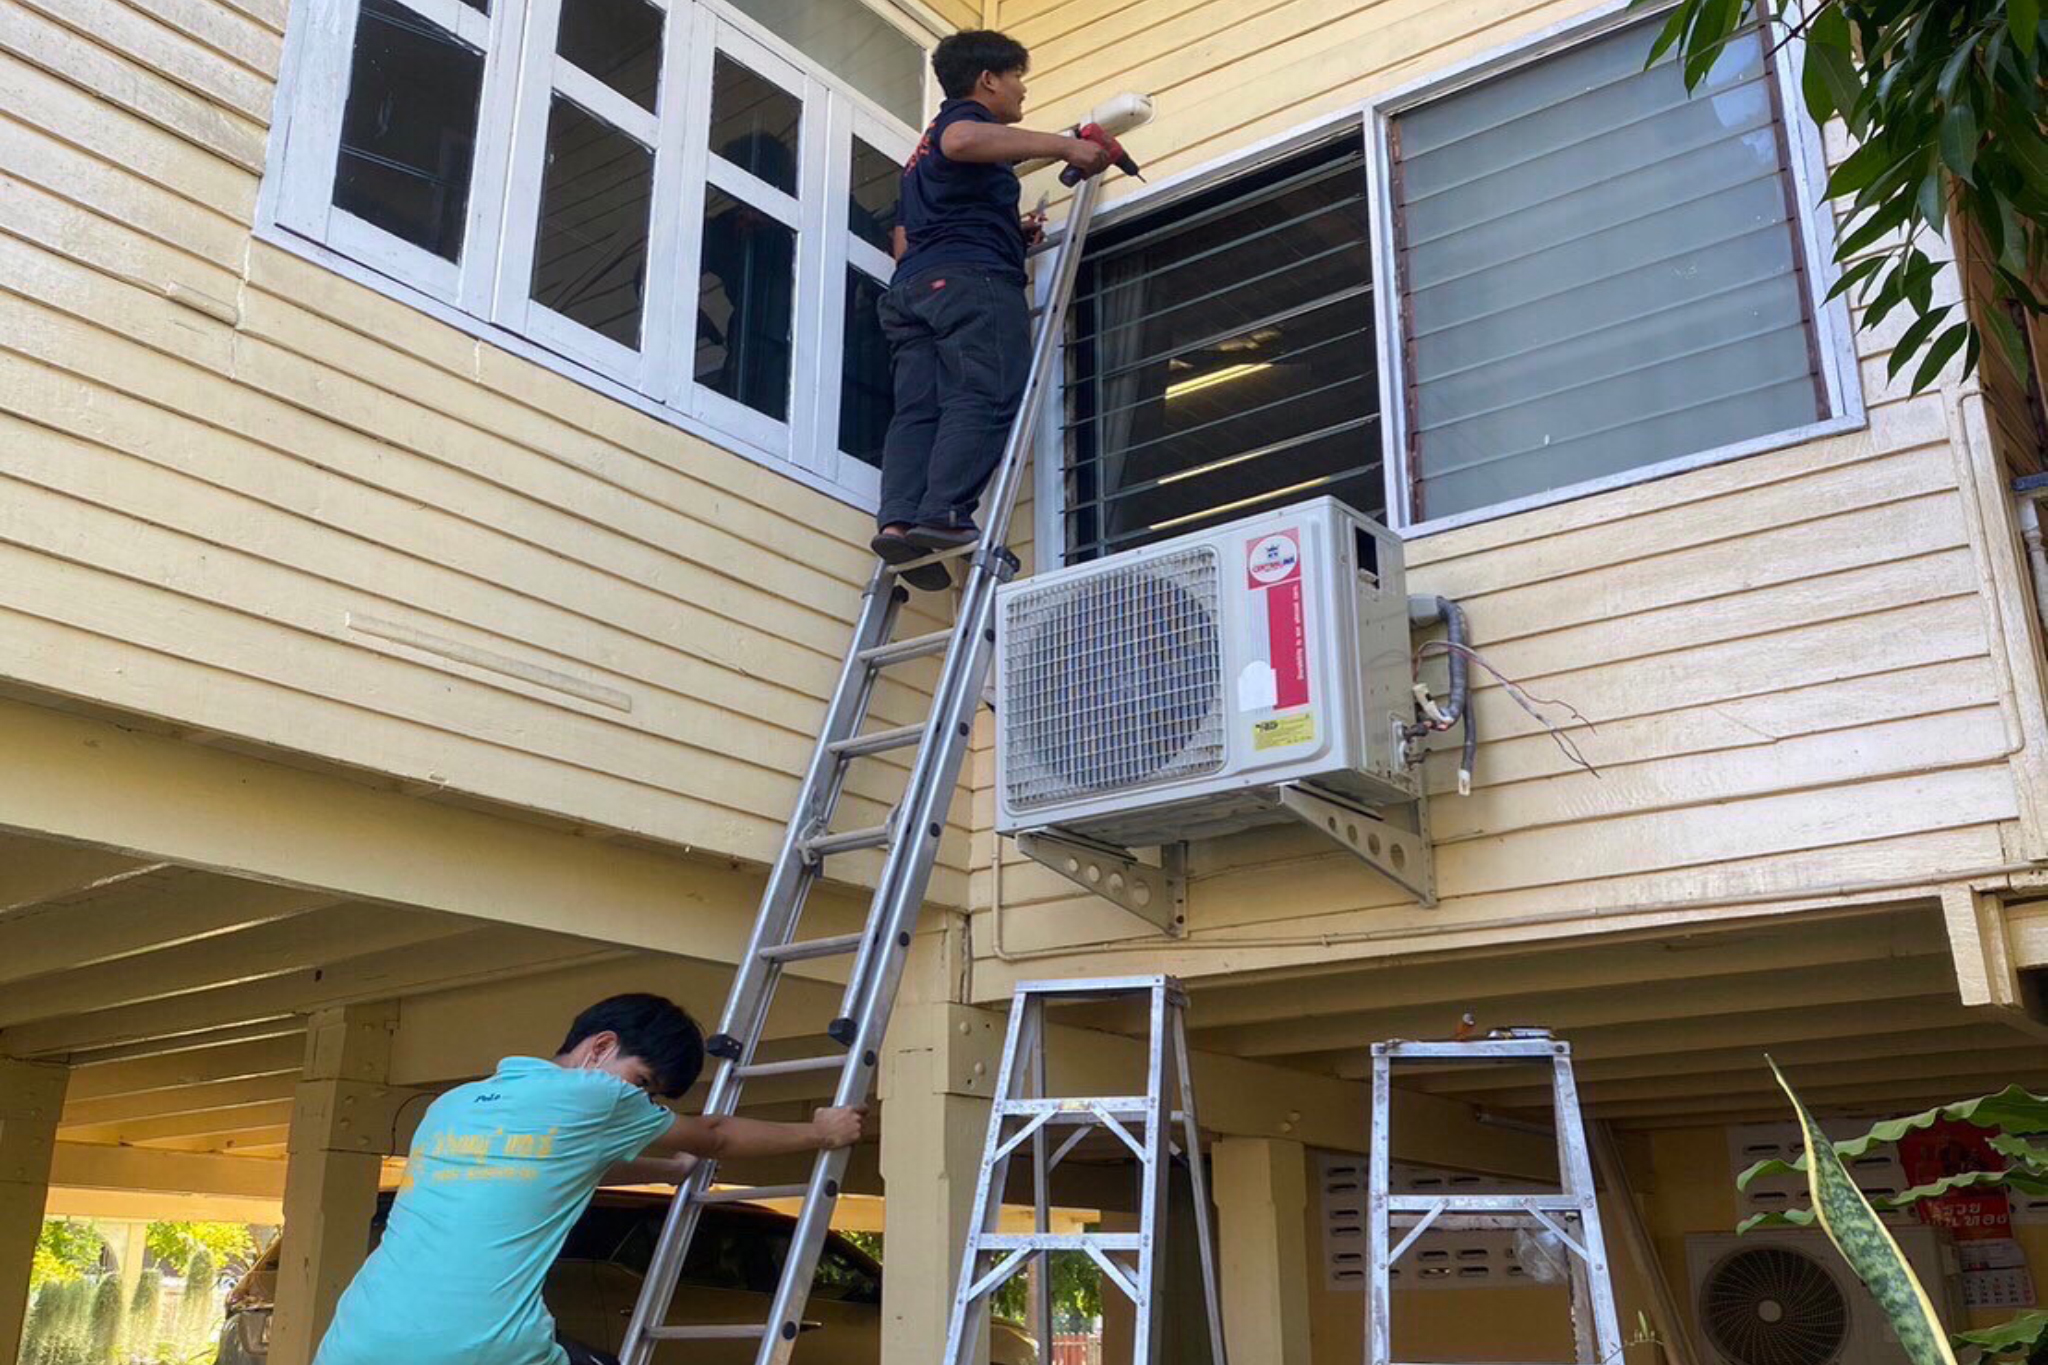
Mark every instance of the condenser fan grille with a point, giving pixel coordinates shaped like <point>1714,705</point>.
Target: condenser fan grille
<point>1774,1306</point>
<point>1113,680</point>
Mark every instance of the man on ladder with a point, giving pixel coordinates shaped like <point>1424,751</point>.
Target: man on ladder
<point>936,469</point>
<point>959,329</point>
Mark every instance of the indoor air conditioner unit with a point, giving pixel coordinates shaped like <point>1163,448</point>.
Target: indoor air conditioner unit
<point>1250,674</point>
<point>1784,1296</point>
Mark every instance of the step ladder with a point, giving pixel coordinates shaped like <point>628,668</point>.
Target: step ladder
<point>910,835</point>
<point>1571,1214</point>
<point>1023,1111</point>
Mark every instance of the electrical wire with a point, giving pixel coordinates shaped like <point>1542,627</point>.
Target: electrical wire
<point>1527,700</point>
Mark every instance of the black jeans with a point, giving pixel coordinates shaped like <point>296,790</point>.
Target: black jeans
<point>960,350</point>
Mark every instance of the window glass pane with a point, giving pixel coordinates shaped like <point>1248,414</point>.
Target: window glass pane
<point>1601,272</point>
<point>590,262</point>
<point>480,6</point>
<point>877,181</point>
<point>408,131</point>
<point>1223,358</point>
<point>866,395</point>
<point>754,124</point>
<point>855,44</point>
<point>745,298</point>
<point>617,41</point>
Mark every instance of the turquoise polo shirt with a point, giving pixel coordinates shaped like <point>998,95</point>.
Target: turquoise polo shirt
<point>499,1171</point>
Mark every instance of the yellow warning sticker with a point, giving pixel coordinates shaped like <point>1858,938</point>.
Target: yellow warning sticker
<point>1284,732</point>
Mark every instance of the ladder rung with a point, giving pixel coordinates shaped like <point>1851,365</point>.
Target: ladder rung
<point>746,1195</point>
<point>806,949</point>
<point>1484,1203</point>
<point>902,651</point>
<point>853,840</point>
<point>878,742</point>
<point>800,1066</point>
<point>1118,1106</point>
<point>1059,1241</point>
<point>717,1331</point>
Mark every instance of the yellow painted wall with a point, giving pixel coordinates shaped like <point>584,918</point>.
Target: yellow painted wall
<point>1805,668</point>
<point>229,474</point>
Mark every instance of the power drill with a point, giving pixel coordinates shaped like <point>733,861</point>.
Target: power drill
<point>1118,157</point>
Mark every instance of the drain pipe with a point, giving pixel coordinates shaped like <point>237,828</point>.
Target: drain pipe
<point>2037,553</point>
<point>1429,611</point>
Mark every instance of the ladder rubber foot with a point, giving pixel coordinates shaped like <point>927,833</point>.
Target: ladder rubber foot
<point>723,1045</point>
<point>842,1031</point>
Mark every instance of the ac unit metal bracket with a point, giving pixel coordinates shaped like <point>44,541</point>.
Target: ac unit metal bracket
<point>1394,845</point>
<point>1156,895</point>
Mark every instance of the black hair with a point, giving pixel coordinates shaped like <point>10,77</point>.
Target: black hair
<point>960,58</point>
<point>659,1032</point>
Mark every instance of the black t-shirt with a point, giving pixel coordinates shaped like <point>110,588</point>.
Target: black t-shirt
<point>960,213</point>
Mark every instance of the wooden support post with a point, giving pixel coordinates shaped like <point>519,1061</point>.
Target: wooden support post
<point>1262,1207</point>
<point>31,1098</point>
<point>343,1119</point>
<point>1642,1251</point>
<point>937,1075</point>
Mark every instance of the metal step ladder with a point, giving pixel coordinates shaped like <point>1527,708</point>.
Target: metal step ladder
<point>1024,1111</point>
<point>910,835</point>
<point>1572,1214</point>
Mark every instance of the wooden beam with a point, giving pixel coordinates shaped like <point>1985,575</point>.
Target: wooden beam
<point>1592,1068</point>
<point>461,1033</point>
<point>232,1061</point>
<point>481,955</point>
<point>279,1026</point>
<point>1879,1078</point>
<point>88,781</point>
<point>1904,1099</point>
<point>80,1166</point>
<point>36,870</point>
<point>166,907</point>
<point>311,941</point>
<point>1549,970</point>
<point>217,1122</point>
<point>1987,971</point>
<point>122,1110</point>
<point>31,1097</point>
<point>149,1206</point>
<point>1615,1005</point>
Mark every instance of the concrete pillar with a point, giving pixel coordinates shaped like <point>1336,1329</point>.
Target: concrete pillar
<point>31,1098</point>
<point>937,1074</point>
<point>1261,1191</point>
<point>343,1118</point>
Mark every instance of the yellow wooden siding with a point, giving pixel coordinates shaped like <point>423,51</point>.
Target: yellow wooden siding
<point>959,13</point>
<point>253,498</point>
<point>1787,657</point>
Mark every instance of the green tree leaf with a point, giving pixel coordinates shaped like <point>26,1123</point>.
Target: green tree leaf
<point>1913,337</point>
<point>1959,140</point>
<point>1938,355</point>
<point>2023,20</point>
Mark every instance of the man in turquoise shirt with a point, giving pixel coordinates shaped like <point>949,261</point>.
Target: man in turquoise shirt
<point>502,1168</point>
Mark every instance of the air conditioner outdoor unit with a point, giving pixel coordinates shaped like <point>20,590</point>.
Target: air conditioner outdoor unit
<point>1250,674</point>
<point>1784,1296</point>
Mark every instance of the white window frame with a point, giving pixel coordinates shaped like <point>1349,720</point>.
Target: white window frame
<point>487,293</point>
<point>1834,333</point>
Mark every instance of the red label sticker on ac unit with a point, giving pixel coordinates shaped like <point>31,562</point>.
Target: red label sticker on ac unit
<point>1273,573</point>
<point>1273,559</point>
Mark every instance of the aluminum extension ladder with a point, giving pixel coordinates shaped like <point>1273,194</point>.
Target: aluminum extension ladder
<point>1023,1111</point>
<point>1572,1215</point>
<point>911,838</point>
